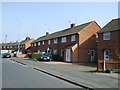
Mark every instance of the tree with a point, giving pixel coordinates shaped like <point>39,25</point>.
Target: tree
<point>118,53</point>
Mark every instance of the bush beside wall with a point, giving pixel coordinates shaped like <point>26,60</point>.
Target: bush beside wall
<point>56,57</point>
<point>35,56</point>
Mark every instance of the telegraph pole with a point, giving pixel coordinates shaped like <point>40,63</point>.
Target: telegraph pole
<point>18,19</point>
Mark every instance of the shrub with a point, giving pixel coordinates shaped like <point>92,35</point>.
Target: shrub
<point>35,56</point>
<point>56,57</point>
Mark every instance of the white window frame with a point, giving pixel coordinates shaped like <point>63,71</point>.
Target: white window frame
<point>34,44</point>
<point>106,36</point>
<point>64,39</point>
<point>55,51</point>
<point>55,40</point>
<point>10,46</point>
<point>49,42</point>
<point>73,37</point>
<point>43,42</point>
<point>38,43</point>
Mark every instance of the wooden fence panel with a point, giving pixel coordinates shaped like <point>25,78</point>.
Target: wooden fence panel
<point>114,65</point>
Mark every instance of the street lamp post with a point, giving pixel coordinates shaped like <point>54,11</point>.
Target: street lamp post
<point>18,18</point>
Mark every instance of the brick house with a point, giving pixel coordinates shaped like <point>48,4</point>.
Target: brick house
<point>16,46</point>
<point>75,44</point>
<point>109,44</point>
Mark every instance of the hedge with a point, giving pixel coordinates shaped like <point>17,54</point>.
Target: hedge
<point>35,56</point>
<point>56,57</point>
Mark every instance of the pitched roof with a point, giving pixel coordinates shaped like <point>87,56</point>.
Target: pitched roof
<point>69,31</point>
<point>26,40</point>
<point>10,44</point>
<point>111,26</point>
<point>16,43</point>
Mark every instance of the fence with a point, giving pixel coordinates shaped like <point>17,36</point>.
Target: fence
<point>114,65</point>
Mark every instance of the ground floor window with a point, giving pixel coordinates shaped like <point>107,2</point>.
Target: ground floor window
<point>55,51</point>
<point>62,52</point>
<point>107,54</point>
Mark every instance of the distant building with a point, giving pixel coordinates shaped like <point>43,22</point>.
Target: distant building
<point>22,46</point>
<point>75,44</point>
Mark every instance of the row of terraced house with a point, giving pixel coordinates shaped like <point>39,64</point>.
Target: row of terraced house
<point>87,42</point>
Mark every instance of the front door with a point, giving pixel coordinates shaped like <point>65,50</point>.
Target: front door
<point>106,54</point>
<point>92,55</point>
<point>68,51</point>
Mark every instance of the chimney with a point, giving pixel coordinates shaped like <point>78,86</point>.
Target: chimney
<point>72,25</point>
<point>47,33</point>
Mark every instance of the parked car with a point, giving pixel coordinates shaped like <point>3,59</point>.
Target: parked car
<point>46,57</point>
<point>6,55</point>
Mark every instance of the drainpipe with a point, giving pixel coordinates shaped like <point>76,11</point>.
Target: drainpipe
<point>104,65</point>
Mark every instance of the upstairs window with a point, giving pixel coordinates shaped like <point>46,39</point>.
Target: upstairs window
<point>31,44</point>
<point>10,46</point>
<point>48,41</point>
<point>38,43</point>
<point>55,40</point>
<point>63,39</point>
<point>106,36</point>
<point>43,42</point>
<point>73,38</point>
<point>96,38</point>
<point>34,44</point>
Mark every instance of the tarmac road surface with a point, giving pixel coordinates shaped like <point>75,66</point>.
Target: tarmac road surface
<point>15,75</point>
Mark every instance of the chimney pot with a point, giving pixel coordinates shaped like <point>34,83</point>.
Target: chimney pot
<point>47,33</point>
<point>72,25</point>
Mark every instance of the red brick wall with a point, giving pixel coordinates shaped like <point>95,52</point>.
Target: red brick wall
<point>57,46</point>
<point>87,40</point>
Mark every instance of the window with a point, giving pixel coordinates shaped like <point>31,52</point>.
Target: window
<point>38,43</point>
<point>21,46</point>
<point>10,46</point>
<point>18,46</point>
<point>73,38</point>
<point>48,41</point>
<point>43,42</point>
<point>63,39</point>
<point>4,46</point>
<point>55,51</point>
<point>55,40</point>
<point>106,36</point>
<point>7,46</point>
<point>96,38</point>
<point>34,44</point>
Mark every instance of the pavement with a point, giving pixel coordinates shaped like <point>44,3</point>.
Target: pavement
<point>78,73</point>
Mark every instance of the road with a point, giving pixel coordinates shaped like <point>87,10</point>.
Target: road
<point>15,75</point>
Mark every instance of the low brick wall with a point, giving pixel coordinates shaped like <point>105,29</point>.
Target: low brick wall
<point>22,55</point>
<point>114,65</point>
<point>12,54</point>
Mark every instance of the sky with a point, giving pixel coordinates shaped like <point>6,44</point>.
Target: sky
<point>34,19</point>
